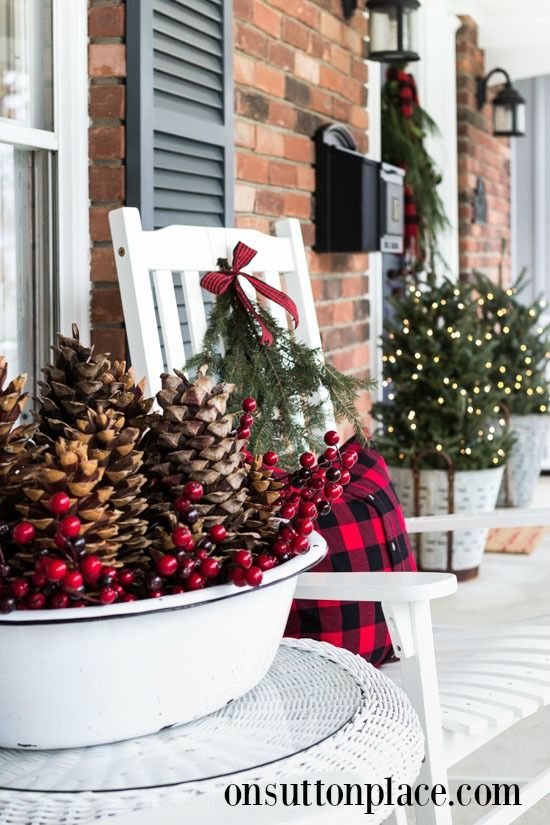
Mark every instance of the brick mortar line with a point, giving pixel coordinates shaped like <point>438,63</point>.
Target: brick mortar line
<point>318,86</point>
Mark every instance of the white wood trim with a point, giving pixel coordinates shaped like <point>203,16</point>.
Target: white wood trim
<point>27,137</point>
<point>71,124</point>
<point>376,587</point>
<point>512,517</point>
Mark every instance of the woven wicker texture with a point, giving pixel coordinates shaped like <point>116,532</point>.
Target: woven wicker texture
<point>531,433</point>
<point>319,709</point>
<point>475,492</point>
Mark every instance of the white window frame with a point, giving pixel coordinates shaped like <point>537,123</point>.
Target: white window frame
<point>69,140</point>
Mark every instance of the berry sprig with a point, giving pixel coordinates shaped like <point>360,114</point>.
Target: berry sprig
<point>73,578</point>
<point>310,493</point>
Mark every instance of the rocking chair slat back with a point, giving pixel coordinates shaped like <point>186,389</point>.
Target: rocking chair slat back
<point>154,267</point>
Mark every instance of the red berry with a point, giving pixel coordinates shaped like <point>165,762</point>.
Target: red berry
<point>107,595</point>
<point>39,579</point>
<point>332,438</point>
<point>253,576</point>
<point>195,581</point>
<point>90,568</point>
<point>187,566</point>
<point>349,458</point>
<point>270,458</point>
<point>56,570</point>
<point>42,564</point>
<point>317,482</point>
<point>210,568</point>
<point>129,597</point>
<point>304,526</point>
<point>218,533</point>
<point>167,565</point>
<point>23,533</point>
<point>307,460</point>
<point>237,576</point>
<point>299,544</point>
<point>345,478</point>
<point>119,590</point>
<point>182,504</point>
<point>60,541</point>
<point>72,582</point>
<point>333,491</point>
<point>156,594</point>
<point>182,537</point>
<point>125,577</point>
<point>287,532</point>
<point>308,510</point>
<point>243,558</point>
<point>248,458</point>
<point>177,589</point>
<point>307,494</point>
<point>331,453</point>
<point>59,601</point>
<point>246,420</point>
<point>193,490</point>
<point>288,511</point>
<point>70,527</point>
<point>201,554</point>
<point>36,601</point>
<point>243,432</point>
<point>279,548</point>
<point>59,503</point>
<point>249,405</point>
<point>19,588</point>
<point>108,572</point>
<point>265,562</point>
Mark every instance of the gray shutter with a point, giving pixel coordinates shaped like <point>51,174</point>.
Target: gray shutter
<point>180,111</point>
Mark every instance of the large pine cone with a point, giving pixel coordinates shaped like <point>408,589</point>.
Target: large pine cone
<point>194,438</point>
<point>17,452</point>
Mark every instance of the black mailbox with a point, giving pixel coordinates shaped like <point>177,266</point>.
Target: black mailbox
<point>358,201</point>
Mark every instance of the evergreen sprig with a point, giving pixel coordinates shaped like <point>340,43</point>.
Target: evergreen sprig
<point>440,396</point>
<point>288,379</point>
<point>522,344</point>
<point>403,145</point>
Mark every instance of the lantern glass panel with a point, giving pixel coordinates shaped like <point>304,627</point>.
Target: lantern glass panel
<point>520,118</point>
<point>384,30</point>
<point>410,30</point>
<point>503,118</point>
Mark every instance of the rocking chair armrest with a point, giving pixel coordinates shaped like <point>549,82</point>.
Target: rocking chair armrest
<point>376,587</point>
<point>509,517</point>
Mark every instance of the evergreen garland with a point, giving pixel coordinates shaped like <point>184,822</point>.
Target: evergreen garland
<point>522,344</point>
<point>404,129</point>
<point>438,363</point>
<point>287,379</point>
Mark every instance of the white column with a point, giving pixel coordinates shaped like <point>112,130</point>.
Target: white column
<point>435,74</point>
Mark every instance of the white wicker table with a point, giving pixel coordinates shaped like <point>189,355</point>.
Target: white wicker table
<point>320,710</point>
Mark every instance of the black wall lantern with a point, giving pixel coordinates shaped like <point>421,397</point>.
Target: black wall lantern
<point>393,28</point>
<point>508,106</point>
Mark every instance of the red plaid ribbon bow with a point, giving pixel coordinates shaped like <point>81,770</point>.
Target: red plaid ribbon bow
<point>219,282</point>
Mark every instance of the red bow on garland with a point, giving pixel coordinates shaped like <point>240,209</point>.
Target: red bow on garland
<point>219,282</point>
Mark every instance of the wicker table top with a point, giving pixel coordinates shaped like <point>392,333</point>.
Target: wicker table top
<point>319,709</point>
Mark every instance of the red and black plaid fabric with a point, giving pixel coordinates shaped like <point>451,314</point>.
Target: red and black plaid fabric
<point>365,532</point>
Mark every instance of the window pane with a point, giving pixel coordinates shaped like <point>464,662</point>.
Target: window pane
<point>27,294</point>
<point>26,68</point>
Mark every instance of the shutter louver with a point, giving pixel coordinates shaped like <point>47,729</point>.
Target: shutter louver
<point>180,112</point>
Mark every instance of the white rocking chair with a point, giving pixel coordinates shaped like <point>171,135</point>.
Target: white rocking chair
<point>467,684</point>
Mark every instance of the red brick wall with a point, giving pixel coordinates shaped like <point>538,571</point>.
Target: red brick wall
<point>480,154</point>
<point>299,65</point>
<point>107,70</point>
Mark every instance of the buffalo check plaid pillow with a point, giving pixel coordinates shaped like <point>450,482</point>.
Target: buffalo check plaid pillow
<point>365,532</point>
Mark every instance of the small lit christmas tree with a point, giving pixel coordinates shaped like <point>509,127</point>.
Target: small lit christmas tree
<point>440,396</point>
<point>522,344</point>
